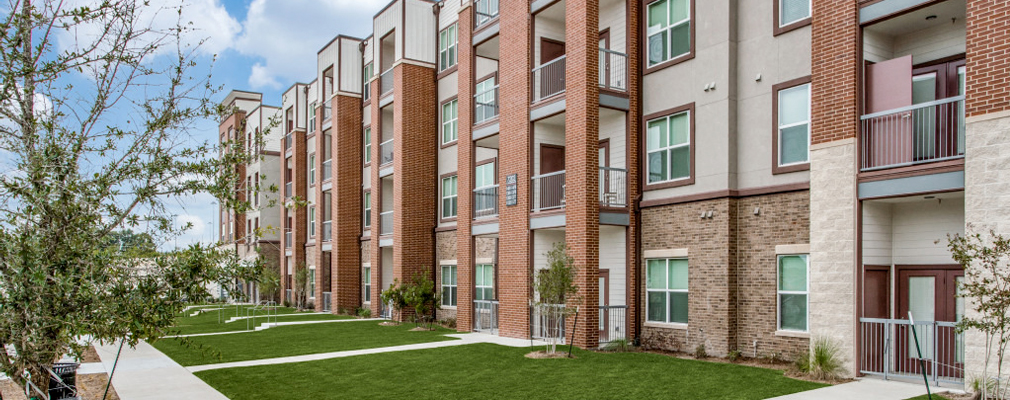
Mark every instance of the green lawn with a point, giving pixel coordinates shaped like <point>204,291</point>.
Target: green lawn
<point>212,326</point>
<point>486,371</point>
<point>293,340</point>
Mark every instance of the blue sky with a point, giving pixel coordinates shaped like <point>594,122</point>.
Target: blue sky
<point>262,46</point>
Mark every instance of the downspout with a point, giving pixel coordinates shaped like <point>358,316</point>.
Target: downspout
<point>638,274</point>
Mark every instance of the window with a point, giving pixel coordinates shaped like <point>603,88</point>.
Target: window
<point>484,200</point>
<point>669,30</point>
<point>448,285</point>
<point>449,115</point>
<point>312,117</point>
<point>484,175</point>
<point>484,282</point>
<point>447,48</point>
<point>366,76</point>
<point>366,283</point>
<point>793,125</point>
<point>449,197</point>
<point>312,169</point>
<point>669,147</point>
<point>312,222</point>
<point>367,138</point>
<point>667,290</point>
<point>486,101</point>
<point>791,11</point>
<point>368,209</point>
<point>793,284</point>
<point>312,282</point>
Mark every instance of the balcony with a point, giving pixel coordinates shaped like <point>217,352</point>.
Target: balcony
<point>485,202</point>
<point>613,70</point>
<point>547,321</point>
<point>485,105</point>
<point>287,190</point>
<point>327,301</point>
<point>327,231</point>
<point>386,152</point>
<point>549,79</point>
<point>613,323</point>
<point>327,110</point>
<point>485,316</point>
<point>484,12</point>
<point>386,82</point>
<point>386,223</point>
<point>288,236</point>
<point>613,187</point>
<point>289,141</point>
<point>327,171</point>
<point>549,191</point>
<point>917,134</point>
<point>888,349</point>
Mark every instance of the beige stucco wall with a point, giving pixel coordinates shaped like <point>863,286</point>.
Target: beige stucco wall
<point>832,245</point>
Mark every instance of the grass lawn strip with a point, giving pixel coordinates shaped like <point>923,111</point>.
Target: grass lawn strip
<point>499,372</point>
<point>293,340</point>
<point>240,325</point>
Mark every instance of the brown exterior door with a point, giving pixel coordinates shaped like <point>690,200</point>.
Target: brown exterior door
<point>876,304</point>
<point>604,295</point>
<point>931,295</point>
<point>552,188</point>
<point>552,77</point>
<point>888,140</point>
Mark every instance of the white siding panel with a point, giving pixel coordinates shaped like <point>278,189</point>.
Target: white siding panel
<point>387,268</point>
<point>350,65</point>
<point>449,13</point>
<point>368,51</point>
<point>549,134</point>
<point>543,241</point>
<point>613,127</point>
<point>422,37</point>
<point>485,67</point>
<point>876,233</point>
<point>273,137</point>
<point>920,230</point>
<point>613,252</point>
<point>613,16</point>
<point>366,177</point>
<point>384,23</point>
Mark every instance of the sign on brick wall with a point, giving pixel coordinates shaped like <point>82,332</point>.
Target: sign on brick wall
<point>511,189</point>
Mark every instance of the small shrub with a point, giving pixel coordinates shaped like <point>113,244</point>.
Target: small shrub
<point>981,384</point>
<point>287,304</point>
<point>699,352</point>
<point>448,323</point>
<point>823,362</point>
<point>310,306</point>
<point>618,346</point>
<point>734,355</point>
<point>364,312</point>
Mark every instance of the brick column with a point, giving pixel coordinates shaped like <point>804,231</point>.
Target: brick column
<point>346,206</point>
<point>300,223</point>
<point>633,125</point>
<point>582,137</point>
<point>414,170</point>
<point>376,251</point>
<point>464,171</point>
<point>315,253</point>
<point>514,276</point>
<point>834,268</point>
<point>987,163</point>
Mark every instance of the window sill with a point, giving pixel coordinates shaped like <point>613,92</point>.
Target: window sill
<point>449,307</point>
<point>665,325</point>
<point>793,334</point>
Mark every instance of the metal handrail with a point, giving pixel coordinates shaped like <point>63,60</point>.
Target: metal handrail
<point>386,152</point>
<point>553,83</point>
<point>386,81</point>
<point>484,111</point>
<point>613,64</point>
<point>913,107</point>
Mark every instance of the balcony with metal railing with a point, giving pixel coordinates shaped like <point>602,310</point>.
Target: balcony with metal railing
<point>386,82</point>
<point>288,238</point>
<point>485,105</point>
<point>916,134</point>
<point>327,231</point>
<point>328,110</point>
<point>327,301</point>
<point>548,191</point>
<point>547,321</point>
<point>485,316</point>
<point>288,190</point>
<point>549,79</point>
<point>485,202</point>
<point>613,187</point>
<point>484,12</point>
<point>289,141</point>
<point>327,171</point>
<point>386,152</point>
<point>613,70</point>
<point>613,323</point>
<point>386,223</point>
<point>899,348</point>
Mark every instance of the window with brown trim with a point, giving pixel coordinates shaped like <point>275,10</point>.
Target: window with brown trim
<point>669,141</point>
<point>791,14</point>
<point>668,30</point>
<point>791,120</point>
<point>447,48</point>
<point>449,197</point>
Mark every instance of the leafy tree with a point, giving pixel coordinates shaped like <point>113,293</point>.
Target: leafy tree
<point>269,281</point>
<point>395,298</point>
<point>301,286</point>
<point>420,295</point>
<point>555,286</point>
<point>986,262</point>
<point>96,112</point>
<point>131,244</point>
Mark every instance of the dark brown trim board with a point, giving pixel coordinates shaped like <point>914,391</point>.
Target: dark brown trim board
<point>644,151</point>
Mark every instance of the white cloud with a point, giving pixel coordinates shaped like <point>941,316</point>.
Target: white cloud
<point>287,34</point>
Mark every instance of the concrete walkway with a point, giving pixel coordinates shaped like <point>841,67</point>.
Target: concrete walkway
<point>865,389</point>
<point>464,339</point>
<point>145,373</point>
<point>272,325</point>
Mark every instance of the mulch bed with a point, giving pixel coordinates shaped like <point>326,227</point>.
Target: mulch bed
<point>540,354</point>
<point>89,387</point>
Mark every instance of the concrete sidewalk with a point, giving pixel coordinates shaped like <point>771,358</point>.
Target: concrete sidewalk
<point>464,339</point>
<point>865,389</point>
<point>145,373</point>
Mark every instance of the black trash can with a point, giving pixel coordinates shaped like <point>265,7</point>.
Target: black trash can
<point>68,388</point>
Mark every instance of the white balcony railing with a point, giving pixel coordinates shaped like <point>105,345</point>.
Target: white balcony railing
<point>613,323</point>
<point>485,105</point>
<point>888,348</point>
<point>327,301</point>
<point>912,135</point>
<point>327,110</point>
<point>485,316</point>
<point>289,141</point>
<point>484,11</point>
<point>549,191</point>
<point>327,231</point>
<point>386,152</point>
<point>288,190</point>
<point>547,321</point>
<point>613,70</point>
<point>613,187</point>
<point>386,82</point>
<point>386,223</point>
<point>549,79</point>
<point>327,170</point>
<point>288,236</point>
<point>485,202</point>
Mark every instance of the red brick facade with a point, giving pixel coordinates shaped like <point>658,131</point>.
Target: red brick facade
<point>345,282</point>
<point>988,57</point>
<point>834,59</point>
<point>464,172</point>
